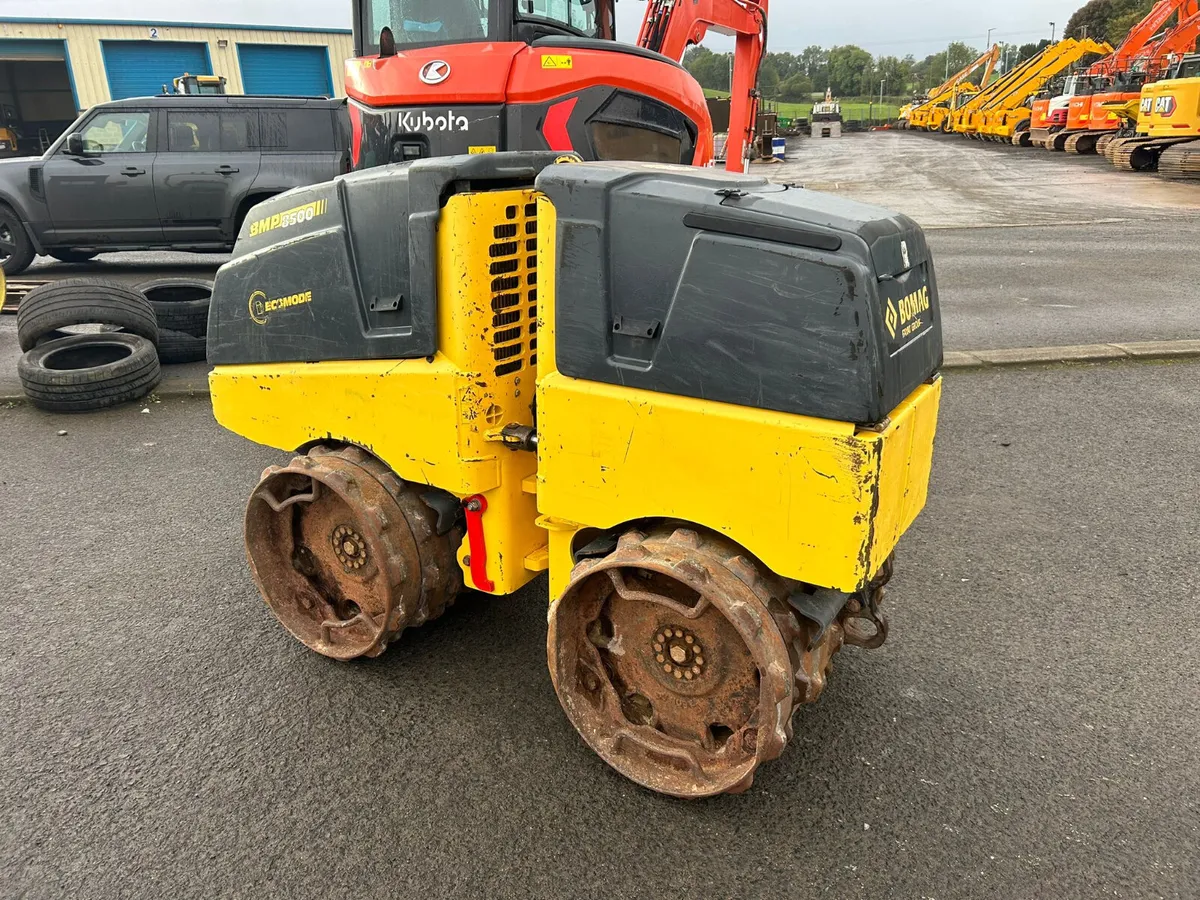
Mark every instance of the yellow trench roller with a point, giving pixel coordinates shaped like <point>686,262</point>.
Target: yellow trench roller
<point>704,404</point>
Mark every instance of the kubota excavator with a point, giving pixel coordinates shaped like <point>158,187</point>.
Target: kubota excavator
<point>443,77</point>
<point>1121,75</point>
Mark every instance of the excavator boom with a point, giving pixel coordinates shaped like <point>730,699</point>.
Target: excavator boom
<point>671,26</point>
<point>1142,35</point>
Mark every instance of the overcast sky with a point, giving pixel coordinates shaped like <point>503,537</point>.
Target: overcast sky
<point>882,26</point>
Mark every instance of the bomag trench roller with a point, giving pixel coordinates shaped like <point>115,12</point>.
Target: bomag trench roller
<point>704,403</point>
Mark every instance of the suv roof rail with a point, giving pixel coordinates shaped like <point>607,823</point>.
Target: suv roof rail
<point>224,98</point>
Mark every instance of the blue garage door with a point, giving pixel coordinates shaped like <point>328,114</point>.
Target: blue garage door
<point>285,69</point>
<point>141,68</point>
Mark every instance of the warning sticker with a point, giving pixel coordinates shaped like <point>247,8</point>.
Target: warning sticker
<point>474,150</point>
<point>557,61</point>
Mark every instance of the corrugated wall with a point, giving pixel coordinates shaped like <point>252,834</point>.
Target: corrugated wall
<point>87,63</point>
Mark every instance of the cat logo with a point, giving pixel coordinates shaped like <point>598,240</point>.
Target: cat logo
<point>1164,106</point>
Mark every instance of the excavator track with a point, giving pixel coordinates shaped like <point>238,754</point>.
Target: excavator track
<point>1082,143</point>
<point>1103,143</point>
<point>1058,141</point>
<point>1022,139</point>
<point>1180,162</point>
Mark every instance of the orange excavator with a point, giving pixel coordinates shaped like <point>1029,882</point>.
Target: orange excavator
<point>445,77</point>
<point>1119,77</point>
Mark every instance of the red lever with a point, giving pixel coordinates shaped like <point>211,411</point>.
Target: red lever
<point>475,507</point>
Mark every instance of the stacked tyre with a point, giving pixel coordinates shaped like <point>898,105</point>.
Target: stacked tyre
<point>87,344</point>
<point>93,344</point>
<point>181,309</point>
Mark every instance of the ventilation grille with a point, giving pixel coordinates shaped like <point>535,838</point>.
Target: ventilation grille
<point>512,258</point>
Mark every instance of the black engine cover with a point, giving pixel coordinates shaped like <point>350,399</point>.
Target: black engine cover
<point>730,288</point>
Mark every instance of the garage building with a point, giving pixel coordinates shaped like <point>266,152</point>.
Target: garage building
<point>52,69</point>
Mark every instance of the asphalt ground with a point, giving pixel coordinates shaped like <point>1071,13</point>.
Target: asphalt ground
<point>1032,248</point>
<point>1028,731</point>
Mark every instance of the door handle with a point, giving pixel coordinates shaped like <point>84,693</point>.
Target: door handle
<point>132,171</point>
<point>226,170</point>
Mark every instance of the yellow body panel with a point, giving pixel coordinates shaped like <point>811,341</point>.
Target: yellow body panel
<point>433,422</point>
<point>815,500</point>
<point>1170,108</point>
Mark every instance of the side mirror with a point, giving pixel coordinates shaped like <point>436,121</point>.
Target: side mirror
<point>75,144</point>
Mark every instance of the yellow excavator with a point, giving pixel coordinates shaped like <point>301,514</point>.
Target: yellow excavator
<point>1168,126</point>
<point>1008,112</point>
<point>919,115</point>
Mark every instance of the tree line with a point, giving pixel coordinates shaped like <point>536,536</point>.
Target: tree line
<point>849,71</point>
<point>1107,20</point>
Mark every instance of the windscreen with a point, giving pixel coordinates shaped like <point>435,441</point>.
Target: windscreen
<point>576,15</point>
<point>417,22</point>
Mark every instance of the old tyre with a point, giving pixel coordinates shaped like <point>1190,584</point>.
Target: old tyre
<point>347,555</point>
<point>89,371</point>
<point>16,250</point>
<point>73,256</point>
<point>180,304</point>
<point>678,661</point>
<point>175,347</point>
<point>82,301</point>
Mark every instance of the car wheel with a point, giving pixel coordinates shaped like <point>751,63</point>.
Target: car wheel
<point>89,371</point>
<point>82,301</point>
<point>16,250</point>
<point>73,256</point>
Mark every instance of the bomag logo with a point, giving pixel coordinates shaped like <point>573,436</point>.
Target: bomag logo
<point>906,317</point>
<point>289,217</point>
<point>261,307</point>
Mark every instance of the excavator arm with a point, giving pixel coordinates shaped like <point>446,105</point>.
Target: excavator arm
<point>1142,35</point>
<point>1176,41</point>
<point>671,26</point>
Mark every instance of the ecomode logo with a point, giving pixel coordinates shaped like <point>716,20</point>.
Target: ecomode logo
<point>261,307</point>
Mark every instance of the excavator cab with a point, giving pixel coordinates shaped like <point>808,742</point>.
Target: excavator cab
<point>435,78</point>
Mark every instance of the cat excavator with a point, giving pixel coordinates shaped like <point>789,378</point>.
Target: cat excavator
<point>442,77</point>
<point>1168,126</point>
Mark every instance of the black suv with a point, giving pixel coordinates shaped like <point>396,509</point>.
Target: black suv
<point>165,173</point>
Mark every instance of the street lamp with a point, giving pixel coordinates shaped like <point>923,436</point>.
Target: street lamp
<point>881,84</point>
<point>1052,32</point>
<point>988,42</point>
